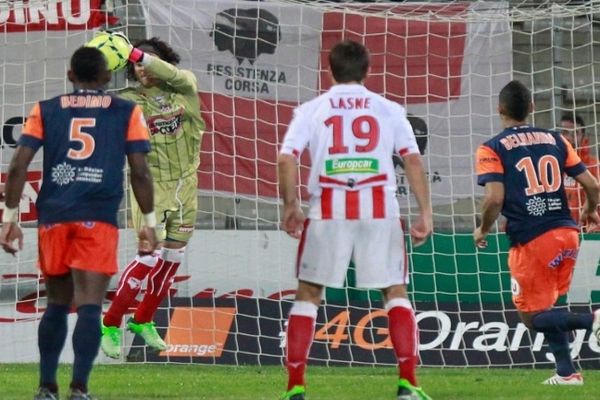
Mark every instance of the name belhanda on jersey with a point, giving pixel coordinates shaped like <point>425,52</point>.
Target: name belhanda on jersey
<point>527,139</point>
<point>351,165</point>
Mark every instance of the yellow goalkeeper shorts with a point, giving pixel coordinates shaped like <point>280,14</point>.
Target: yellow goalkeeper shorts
<point>176,207</point>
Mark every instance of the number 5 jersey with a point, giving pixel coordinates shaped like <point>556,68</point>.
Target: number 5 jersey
<point>86,136</point>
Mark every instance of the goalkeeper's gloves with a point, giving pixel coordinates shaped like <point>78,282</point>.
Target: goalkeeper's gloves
<point>135,55</point>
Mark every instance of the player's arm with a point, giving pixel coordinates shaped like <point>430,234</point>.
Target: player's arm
<point>13,188</point>
<point>293,218</point>
<point>592,191</point>
<point>181,80</point>
<point>576,168</point>
<point>295,140</point>
<point>493,201</point>
<point>143,190</point>
<point>490,174</point>
<point>141,180</point>
<point>415,173</point>
<point>405,145</point>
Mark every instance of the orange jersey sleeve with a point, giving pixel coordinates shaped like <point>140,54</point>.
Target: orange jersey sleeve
<point>487,161</point>
<point>138,130</point>
<point>572,157</point>
<point>34,126</point>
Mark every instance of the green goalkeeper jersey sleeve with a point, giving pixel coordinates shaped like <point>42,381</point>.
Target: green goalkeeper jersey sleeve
<point>172,111</point>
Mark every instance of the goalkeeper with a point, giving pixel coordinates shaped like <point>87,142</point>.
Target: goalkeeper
<point>169,100</point>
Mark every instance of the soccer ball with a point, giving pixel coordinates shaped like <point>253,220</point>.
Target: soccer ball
<point>115,49</point>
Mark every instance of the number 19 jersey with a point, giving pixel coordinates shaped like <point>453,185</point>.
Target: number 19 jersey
<point>352,134</point>
<point>531,163</point>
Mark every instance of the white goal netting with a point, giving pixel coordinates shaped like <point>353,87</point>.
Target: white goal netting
<point>255,61</point>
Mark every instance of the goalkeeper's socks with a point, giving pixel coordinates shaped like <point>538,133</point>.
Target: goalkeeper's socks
<point>159,283</point>
<point>52,333</point>
<point>129,286</point>
<point>86,342</point>
<point>404,335</point>
<point>299,337</point>
<point>559,345</point>
<point>561,321</point>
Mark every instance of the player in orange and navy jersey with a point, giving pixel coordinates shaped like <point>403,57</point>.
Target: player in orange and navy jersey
<point>352,135</point>
<point>86,136</point>
<point>522,170</point>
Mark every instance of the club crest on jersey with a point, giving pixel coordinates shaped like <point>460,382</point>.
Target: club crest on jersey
<point>351,165</point>
<point>161,101</point>
<point>536,206</point>
<point>63,174</point>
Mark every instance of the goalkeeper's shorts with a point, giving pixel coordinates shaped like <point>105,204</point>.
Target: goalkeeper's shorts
<point>176,207</point>
<point>89,246</point>
<point>541,270</point>
<point>376,246</point>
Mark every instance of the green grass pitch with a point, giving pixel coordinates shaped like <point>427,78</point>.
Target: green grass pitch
<point>187,382</point>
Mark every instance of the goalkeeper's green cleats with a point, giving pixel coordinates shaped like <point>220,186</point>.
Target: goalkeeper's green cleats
<point>406,391</point>
<point>148,332</point>
<point>295,393</point>
<point>111,341</point>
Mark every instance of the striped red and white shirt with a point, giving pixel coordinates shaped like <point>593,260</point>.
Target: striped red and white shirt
<point>352,134</point>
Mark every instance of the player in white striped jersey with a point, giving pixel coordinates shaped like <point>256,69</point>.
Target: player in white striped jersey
<point>352,134</point>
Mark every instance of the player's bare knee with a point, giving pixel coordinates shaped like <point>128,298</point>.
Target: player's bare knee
<point>393,292</point>
<point>59,289</point>
<point>527,318</point>
<point>309,292</point>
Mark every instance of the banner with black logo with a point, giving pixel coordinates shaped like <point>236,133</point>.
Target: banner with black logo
<point>248,49</point>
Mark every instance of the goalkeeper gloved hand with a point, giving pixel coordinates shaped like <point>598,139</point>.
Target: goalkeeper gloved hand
<point>135,55</point>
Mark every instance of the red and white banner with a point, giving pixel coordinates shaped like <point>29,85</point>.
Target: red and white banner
<point>36,15</point>
<point>257,61</point>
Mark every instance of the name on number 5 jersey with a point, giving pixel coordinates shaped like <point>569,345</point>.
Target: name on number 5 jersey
<point>85,137</point>
<point>352,135</point>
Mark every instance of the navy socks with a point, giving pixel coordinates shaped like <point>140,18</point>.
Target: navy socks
<point>52,333</point>
<point>86,343</point>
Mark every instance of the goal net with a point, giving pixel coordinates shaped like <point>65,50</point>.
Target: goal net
<point>255,62</point>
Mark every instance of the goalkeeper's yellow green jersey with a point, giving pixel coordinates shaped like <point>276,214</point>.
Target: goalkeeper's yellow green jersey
<point>172,111</point>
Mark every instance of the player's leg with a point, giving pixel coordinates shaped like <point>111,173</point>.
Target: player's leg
<point>380,258</point>
<point>52,333</point>
<point>324,253</point>
<point>541,270</point>
<point>299,336</point>
<point>181,202</point>
<point>93,259</point>
<point>128,288</point>
<point>89,292</point>
<point>159,284</point>
<point>52,330</point>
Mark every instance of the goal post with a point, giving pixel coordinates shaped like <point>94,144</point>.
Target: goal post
<point>255,62</point>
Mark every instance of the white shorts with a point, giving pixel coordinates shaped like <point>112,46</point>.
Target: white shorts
<point>376,246</point>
